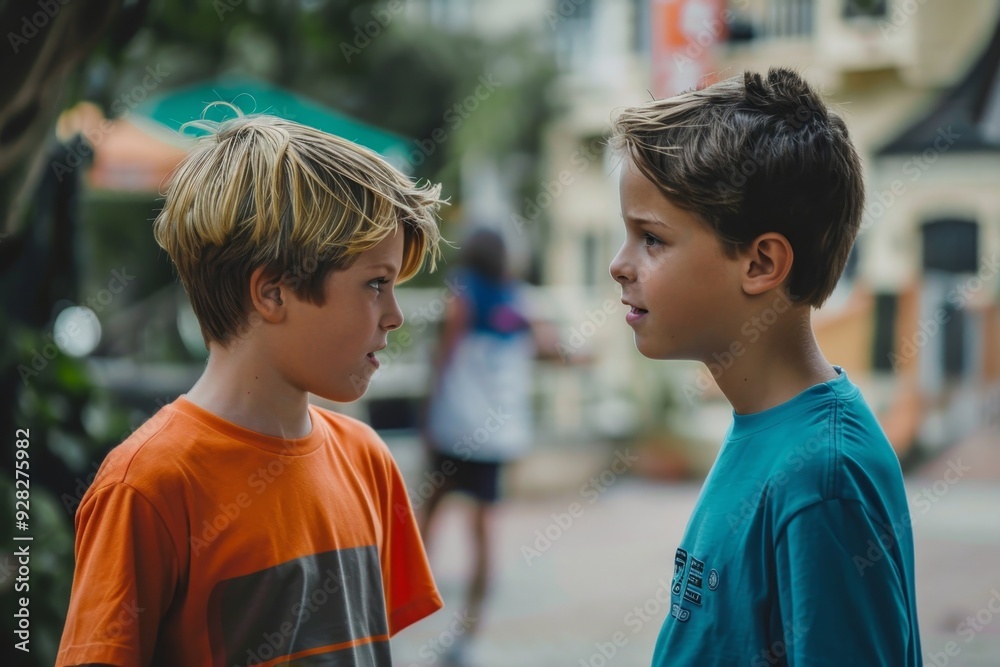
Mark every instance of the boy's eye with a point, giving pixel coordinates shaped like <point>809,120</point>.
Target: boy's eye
<point>377,283</point>
<point>650,241</point>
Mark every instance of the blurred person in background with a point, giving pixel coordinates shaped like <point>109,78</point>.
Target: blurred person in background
<point>478,417</point>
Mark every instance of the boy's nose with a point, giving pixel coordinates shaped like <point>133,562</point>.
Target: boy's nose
<point>393,319</point>
<point>621,270</point>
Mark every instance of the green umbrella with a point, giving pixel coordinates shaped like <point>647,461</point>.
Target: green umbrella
<point>179,106</point>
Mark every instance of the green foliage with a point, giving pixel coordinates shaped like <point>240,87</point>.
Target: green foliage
<point>119,236</point>
<point>55,392</point>
<point>48,583</point>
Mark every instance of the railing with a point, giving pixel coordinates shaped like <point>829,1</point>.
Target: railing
<point>783,19</point>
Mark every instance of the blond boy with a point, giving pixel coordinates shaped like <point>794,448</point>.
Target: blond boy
<point>241,525</point>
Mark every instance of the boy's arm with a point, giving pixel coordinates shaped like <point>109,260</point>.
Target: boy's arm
<point>126,569</point>
<point>410,592</point>
<point>842,599</point>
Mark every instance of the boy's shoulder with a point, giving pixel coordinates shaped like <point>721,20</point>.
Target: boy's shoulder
<point>832,449</point>
<point>352,434</point>
<point>116,466</point>
<point>158,452</point>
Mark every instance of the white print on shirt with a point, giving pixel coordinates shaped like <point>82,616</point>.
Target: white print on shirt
<point>690,584</point>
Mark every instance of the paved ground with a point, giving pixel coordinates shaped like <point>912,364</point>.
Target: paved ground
<point>587,576</point>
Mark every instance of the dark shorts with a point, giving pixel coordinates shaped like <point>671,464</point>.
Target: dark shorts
<point>479,479</point>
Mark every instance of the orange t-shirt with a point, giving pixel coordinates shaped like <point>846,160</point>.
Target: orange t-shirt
<point>204,543</point>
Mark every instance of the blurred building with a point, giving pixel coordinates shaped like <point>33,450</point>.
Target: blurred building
<point>915,319</point>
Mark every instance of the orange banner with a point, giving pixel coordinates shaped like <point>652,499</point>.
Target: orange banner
<point>685,35</point>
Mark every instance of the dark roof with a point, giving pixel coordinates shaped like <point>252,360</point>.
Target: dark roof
<point>970,109</point>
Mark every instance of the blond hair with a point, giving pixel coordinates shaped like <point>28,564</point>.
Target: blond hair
<point>263,191</point>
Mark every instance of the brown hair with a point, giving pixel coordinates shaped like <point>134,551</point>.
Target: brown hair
<point>264,191</point>
<point>751,155</point>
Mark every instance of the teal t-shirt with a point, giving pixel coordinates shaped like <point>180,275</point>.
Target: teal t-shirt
<point>799,550</point>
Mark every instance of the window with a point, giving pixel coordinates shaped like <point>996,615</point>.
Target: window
<point>954,342</point>
<point>951,245</point>
<point>864,9</point>
<point>950,256</point>
<point>885,331</point>
<point>784,19</point>
<point>640,25</point>
<point>573,21</point>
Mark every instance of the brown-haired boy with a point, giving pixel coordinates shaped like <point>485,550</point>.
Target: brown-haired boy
<point>241,525</point>
<point>741,202</point>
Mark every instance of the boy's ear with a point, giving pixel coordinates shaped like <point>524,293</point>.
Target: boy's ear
<point>767,261</point>
<point>266,294</point>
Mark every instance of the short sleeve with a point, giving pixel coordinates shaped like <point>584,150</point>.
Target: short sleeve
<point>842,597</point>
<point>410,592</point>
<point>125,575</point>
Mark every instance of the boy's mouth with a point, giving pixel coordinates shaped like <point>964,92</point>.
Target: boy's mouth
<point>635,314</point>
<point>372,359</point>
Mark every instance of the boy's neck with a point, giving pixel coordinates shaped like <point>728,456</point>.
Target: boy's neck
<point>237,387</point>
<point>782,363</point>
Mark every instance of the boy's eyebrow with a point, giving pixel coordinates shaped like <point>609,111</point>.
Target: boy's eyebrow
<point>384,265</point>
<point>642,220</point>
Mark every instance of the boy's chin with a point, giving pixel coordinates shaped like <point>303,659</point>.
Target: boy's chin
<point>357,388</point>
<point>651,350</point>
<point>657,351</point>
